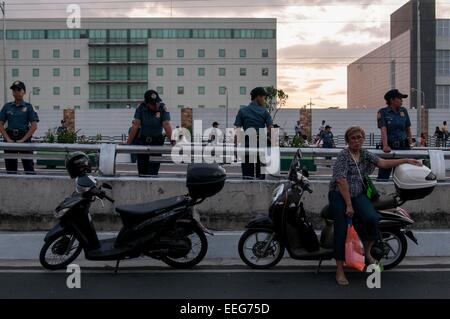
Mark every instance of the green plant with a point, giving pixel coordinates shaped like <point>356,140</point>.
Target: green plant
<point>276,99</point>
<point>67,137</point>
<point>50,136</point>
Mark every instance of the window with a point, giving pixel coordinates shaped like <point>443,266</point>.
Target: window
<point>36,107</point>
<point>98,72</point>
<point>56,53</point>
<point>443,62</point>
<point>243,90</point>
<point>15,73</point>
<point>56,90</point>
<point>443,96</point>
<point>222,106</point>
<point>15,54</point>
<point>222,53</point>
<point>180,90</point>
<point>56,107</point>
<point>159,53</point>
<point>56,72</point>
<point>393,74</point>
<point>138,54</point>
<point>138,73</point>
<point>180,53</point>
<point>160,90</point>
<point>201,53</point>
<point>159,72</point>
<point>36,90</point>
<point>181,106</point>
<point>180,71</point>
<point>243,72</point>
<point>76,72</point>
<point>118,54</point>
<point>201,90</point>
<point>265,53</point>
<point>201,71</point>
<point>35,72</point>
<point>443,28</point>
<point>76,54</point>
<point>118,73</point>
<point>243,53</point>
<point>35,54</point>
<point>201,106</point>
<point>77,107</point>
<point>76,90</point>
<point>222,90</point>
<point>222,71</point>
<point>265,72</point>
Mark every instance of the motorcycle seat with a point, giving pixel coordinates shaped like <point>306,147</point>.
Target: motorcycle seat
<point>132,214</point>
<point>387,202</point>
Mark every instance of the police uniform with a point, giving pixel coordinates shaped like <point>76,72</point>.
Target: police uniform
<point>18,119</point>
<point>256,117</point>
<point>396,124</point>
<point>327,139</point>
<point>150,133</point>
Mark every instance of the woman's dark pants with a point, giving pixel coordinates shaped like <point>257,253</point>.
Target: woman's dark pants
<point>366,215</point>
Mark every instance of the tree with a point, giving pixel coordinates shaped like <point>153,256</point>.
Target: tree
<point>276,99</point>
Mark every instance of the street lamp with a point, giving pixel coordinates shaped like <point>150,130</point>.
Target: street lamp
<point>419,72</point>
<point>34,91</point>
<point>226,108</point>
<point>3,8</point>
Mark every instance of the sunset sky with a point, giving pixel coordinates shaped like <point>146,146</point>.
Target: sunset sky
<point>317,39</point>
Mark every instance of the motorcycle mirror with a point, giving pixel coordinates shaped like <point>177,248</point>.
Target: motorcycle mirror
<point>107,186</point>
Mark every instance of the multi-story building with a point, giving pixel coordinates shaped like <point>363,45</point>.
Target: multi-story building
<point>394,65</point>
<point>110,63</point>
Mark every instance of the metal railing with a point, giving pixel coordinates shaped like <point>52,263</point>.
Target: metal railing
<point>106,153</point>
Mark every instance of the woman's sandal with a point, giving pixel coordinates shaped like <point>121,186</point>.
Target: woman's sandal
<point>342,282</point>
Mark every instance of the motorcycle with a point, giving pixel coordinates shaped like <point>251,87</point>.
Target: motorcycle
<point>287,227</point>
<point>163,229</point>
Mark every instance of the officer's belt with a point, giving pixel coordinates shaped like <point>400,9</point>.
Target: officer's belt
<point>150,139</point>
<point>17,133</point>
<point>398,144</point>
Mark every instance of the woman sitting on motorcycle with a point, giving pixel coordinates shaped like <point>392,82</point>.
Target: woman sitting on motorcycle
<point>347,197</point>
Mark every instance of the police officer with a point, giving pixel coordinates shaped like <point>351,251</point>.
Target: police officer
<point>255,116</point>
<point>151,117</point>
<point>21,120</point>
<point>395,126</point>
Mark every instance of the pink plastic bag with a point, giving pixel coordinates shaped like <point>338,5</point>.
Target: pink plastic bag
<point>354,253</point>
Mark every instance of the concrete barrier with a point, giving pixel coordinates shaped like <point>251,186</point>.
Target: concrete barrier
<point>28,202</point>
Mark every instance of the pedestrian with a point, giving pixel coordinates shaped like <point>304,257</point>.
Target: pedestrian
<point>21,120</point>
<point>395,126</point>
<point>347,198</point>
<point>444,130</point>
<point>423,140</point>
<point>439,137</point>
<point>327,139</point>
<point>254,116</point>
<point>62,129</point>
<point>298,129</point>
<point>214,134</point>
<point>150,119</point>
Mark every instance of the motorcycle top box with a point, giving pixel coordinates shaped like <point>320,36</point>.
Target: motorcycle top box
<point>414,182</point>
<point>205,180</point>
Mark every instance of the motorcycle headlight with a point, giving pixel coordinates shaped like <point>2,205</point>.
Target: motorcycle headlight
<point>60,213</point>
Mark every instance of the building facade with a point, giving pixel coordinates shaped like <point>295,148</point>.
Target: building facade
<point>110,63</point>
<point>394,65</point>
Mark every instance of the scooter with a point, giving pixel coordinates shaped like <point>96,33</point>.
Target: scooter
<point>287,227</point>
<point>163,229</point>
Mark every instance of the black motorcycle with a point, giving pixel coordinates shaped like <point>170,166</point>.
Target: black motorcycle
<point>163,229</point>
<point>264,242</point>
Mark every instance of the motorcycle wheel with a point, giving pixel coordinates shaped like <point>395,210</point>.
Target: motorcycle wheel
<point>199,248</point>
<point>251,249</point>
<point>60,252</point>
<point>397,245</point>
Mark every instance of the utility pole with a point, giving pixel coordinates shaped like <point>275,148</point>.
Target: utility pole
<point>419,74</point>
<point>310,104</point>
<point>5,88</point>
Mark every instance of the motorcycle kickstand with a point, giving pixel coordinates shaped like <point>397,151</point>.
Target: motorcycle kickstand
<point>116,269</point>
<point>319,266</point>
